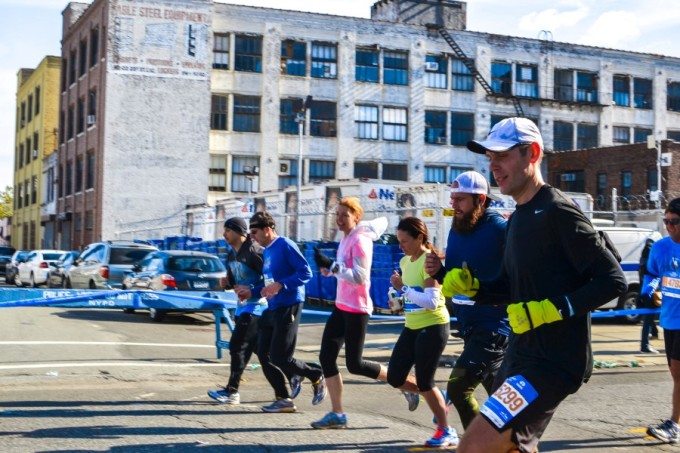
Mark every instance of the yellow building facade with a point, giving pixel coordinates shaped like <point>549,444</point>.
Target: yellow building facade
<point>37,120</point>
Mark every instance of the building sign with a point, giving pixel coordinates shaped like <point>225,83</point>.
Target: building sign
<point>156,40</point>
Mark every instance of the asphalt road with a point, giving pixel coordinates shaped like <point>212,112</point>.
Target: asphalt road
<point>104,380</point>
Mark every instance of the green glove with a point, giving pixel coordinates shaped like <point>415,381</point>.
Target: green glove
<point>460,281</point>
<point>525,316</point>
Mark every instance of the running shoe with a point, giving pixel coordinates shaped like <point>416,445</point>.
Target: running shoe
<point>280,405</point>
<point>295,385</point>
<point>649,350</point>
<point>225,397</point>
<point>443,437</point>
<point>320,391</point>
<point>667,431</point>
<point>331,421</point>
<point>413,400</point>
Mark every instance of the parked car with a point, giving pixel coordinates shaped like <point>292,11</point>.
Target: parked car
<point>5,257</point>
<point>102,265</point>
<point>13,266</point>
<point>629,242</point>
<point>35,270</point>
<point>176,270</point>
<point>58,270</point>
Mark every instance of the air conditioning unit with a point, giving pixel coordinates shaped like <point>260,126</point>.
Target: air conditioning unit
<point>441,140</point>
<point>91,119</point>
<point>284,168</point>
<point>35,153</point>
<point>431,66</point>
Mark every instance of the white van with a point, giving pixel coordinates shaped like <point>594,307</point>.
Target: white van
<point>629,242</point>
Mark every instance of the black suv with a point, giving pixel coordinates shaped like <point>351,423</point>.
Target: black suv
<point>5,258</point>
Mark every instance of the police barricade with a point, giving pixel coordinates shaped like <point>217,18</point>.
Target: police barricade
<point>218,302</point>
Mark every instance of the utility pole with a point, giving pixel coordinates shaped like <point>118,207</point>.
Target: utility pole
<point>300,120</point>
<point>651,144</point>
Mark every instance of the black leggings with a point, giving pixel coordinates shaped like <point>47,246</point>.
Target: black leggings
<point>241,346</point>
<point>277,332</point>
<point>419,347</point>
<point>350,329</point>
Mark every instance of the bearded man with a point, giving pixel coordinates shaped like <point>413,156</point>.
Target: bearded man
<point>476,240</point>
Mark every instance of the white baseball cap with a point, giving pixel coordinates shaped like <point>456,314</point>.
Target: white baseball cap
<point>471,182</point>
<point>506,134</point>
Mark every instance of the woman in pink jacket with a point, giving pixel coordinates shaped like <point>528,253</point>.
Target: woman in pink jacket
<point>353,306</point>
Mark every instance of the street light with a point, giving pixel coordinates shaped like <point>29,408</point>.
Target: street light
<point>652,143</point>
<point>250,173</point>
<point>300,120</point>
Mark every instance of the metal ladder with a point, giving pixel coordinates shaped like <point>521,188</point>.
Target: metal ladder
<point>473,70</point>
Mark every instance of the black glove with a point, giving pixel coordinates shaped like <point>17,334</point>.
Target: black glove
<point>322,260</point>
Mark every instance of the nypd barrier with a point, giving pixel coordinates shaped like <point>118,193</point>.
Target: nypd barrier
<point>216,301</point>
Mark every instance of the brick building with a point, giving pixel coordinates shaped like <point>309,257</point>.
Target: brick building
<point>630,169</point>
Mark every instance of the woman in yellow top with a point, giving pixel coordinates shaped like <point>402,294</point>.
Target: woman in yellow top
<point>426,330</point>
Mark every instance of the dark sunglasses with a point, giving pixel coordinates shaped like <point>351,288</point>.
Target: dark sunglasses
<point>674,222</point>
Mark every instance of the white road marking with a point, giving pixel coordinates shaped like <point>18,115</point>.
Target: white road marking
<point>107,343</point>
<point>110,365</point>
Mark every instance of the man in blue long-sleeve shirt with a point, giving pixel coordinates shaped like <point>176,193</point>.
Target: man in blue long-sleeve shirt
<point>285,273</point>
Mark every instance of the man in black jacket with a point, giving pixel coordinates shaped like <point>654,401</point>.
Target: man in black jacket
<point>555,271</point>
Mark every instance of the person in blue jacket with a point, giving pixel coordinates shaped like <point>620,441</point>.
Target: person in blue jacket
<point>662,280</point>
<point>285,273</point>
<point>476,238</point>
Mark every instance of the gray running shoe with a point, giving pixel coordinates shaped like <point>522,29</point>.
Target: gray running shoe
<point>667,431</point>
<point>280,405</point>
<point>320,391</point>
<point>331,421</point>
<point>225,397</point>
<point>295,385</point>
<point>413,400</point>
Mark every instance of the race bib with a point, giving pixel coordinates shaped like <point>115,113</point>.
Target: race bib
<point>410,307</point>
<point>268,281</point>
<point>511,398</point>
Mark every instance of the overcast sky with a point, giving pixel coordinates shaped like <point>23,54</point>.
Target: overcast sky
<point>31,29</point>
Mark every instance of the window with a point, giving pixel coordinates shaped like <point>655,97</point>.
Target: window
<point>572,181</point>
<point>68,183</point>
<point>395,124</point>
<point>89,181</point>
<point>29,151</point>
<point>324,60</point>
<point>20,192</point>
<point>367,65</point>
<point>36,146</point>
<point>61,126</point>
<point>586,136</point>
<point>366,121</point>
<point>673,96</point>
<point>640,134</point>
<point>49,186</point>
<point>37,100</point>
<point>246,113</point>
<point>395,68</point>
<point>366,170</point>
<point>321,169</point>
<point>72,68</point>
<point>395,172</point>
<point>601,189</point>
<point>218,173</point>
<point>94,46</point>
<point>291,178</point>
<point>77,221</point>
<point>218,112</point>
<point>248,53</point>
<point>91,107</point>
<point>20,159</point>
<point>501,77</point>
<point>89,220</point>
<point>435,174</point>
<point>34,189</point>
<point>526,81</point>
<point>454,172</point>
<point>323,117</point>
<point>461,76</point>
<point>564,85</point>
<point>60,180</point>
<point>293,58</point>
<point>288,113</point>
<point>621,90</point>
<point>80,117</point>
<point>244,174</point>
<point>621,134</point>
<point>220,51</point>
<point>82,58</point>
<point>563,136</point>
<point>29,108</point>
<point>70,124</point>
<point>673,135</point>
<point>462,128</point>
<point>27,192</point>
<point>435,127</point>
<point>642,93</point>
<point>626,183</point>
<point>586,87</point>
<point>652,179</point>
<point>79,174</point>
<point>64,75</point>
<point>436,68</point>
